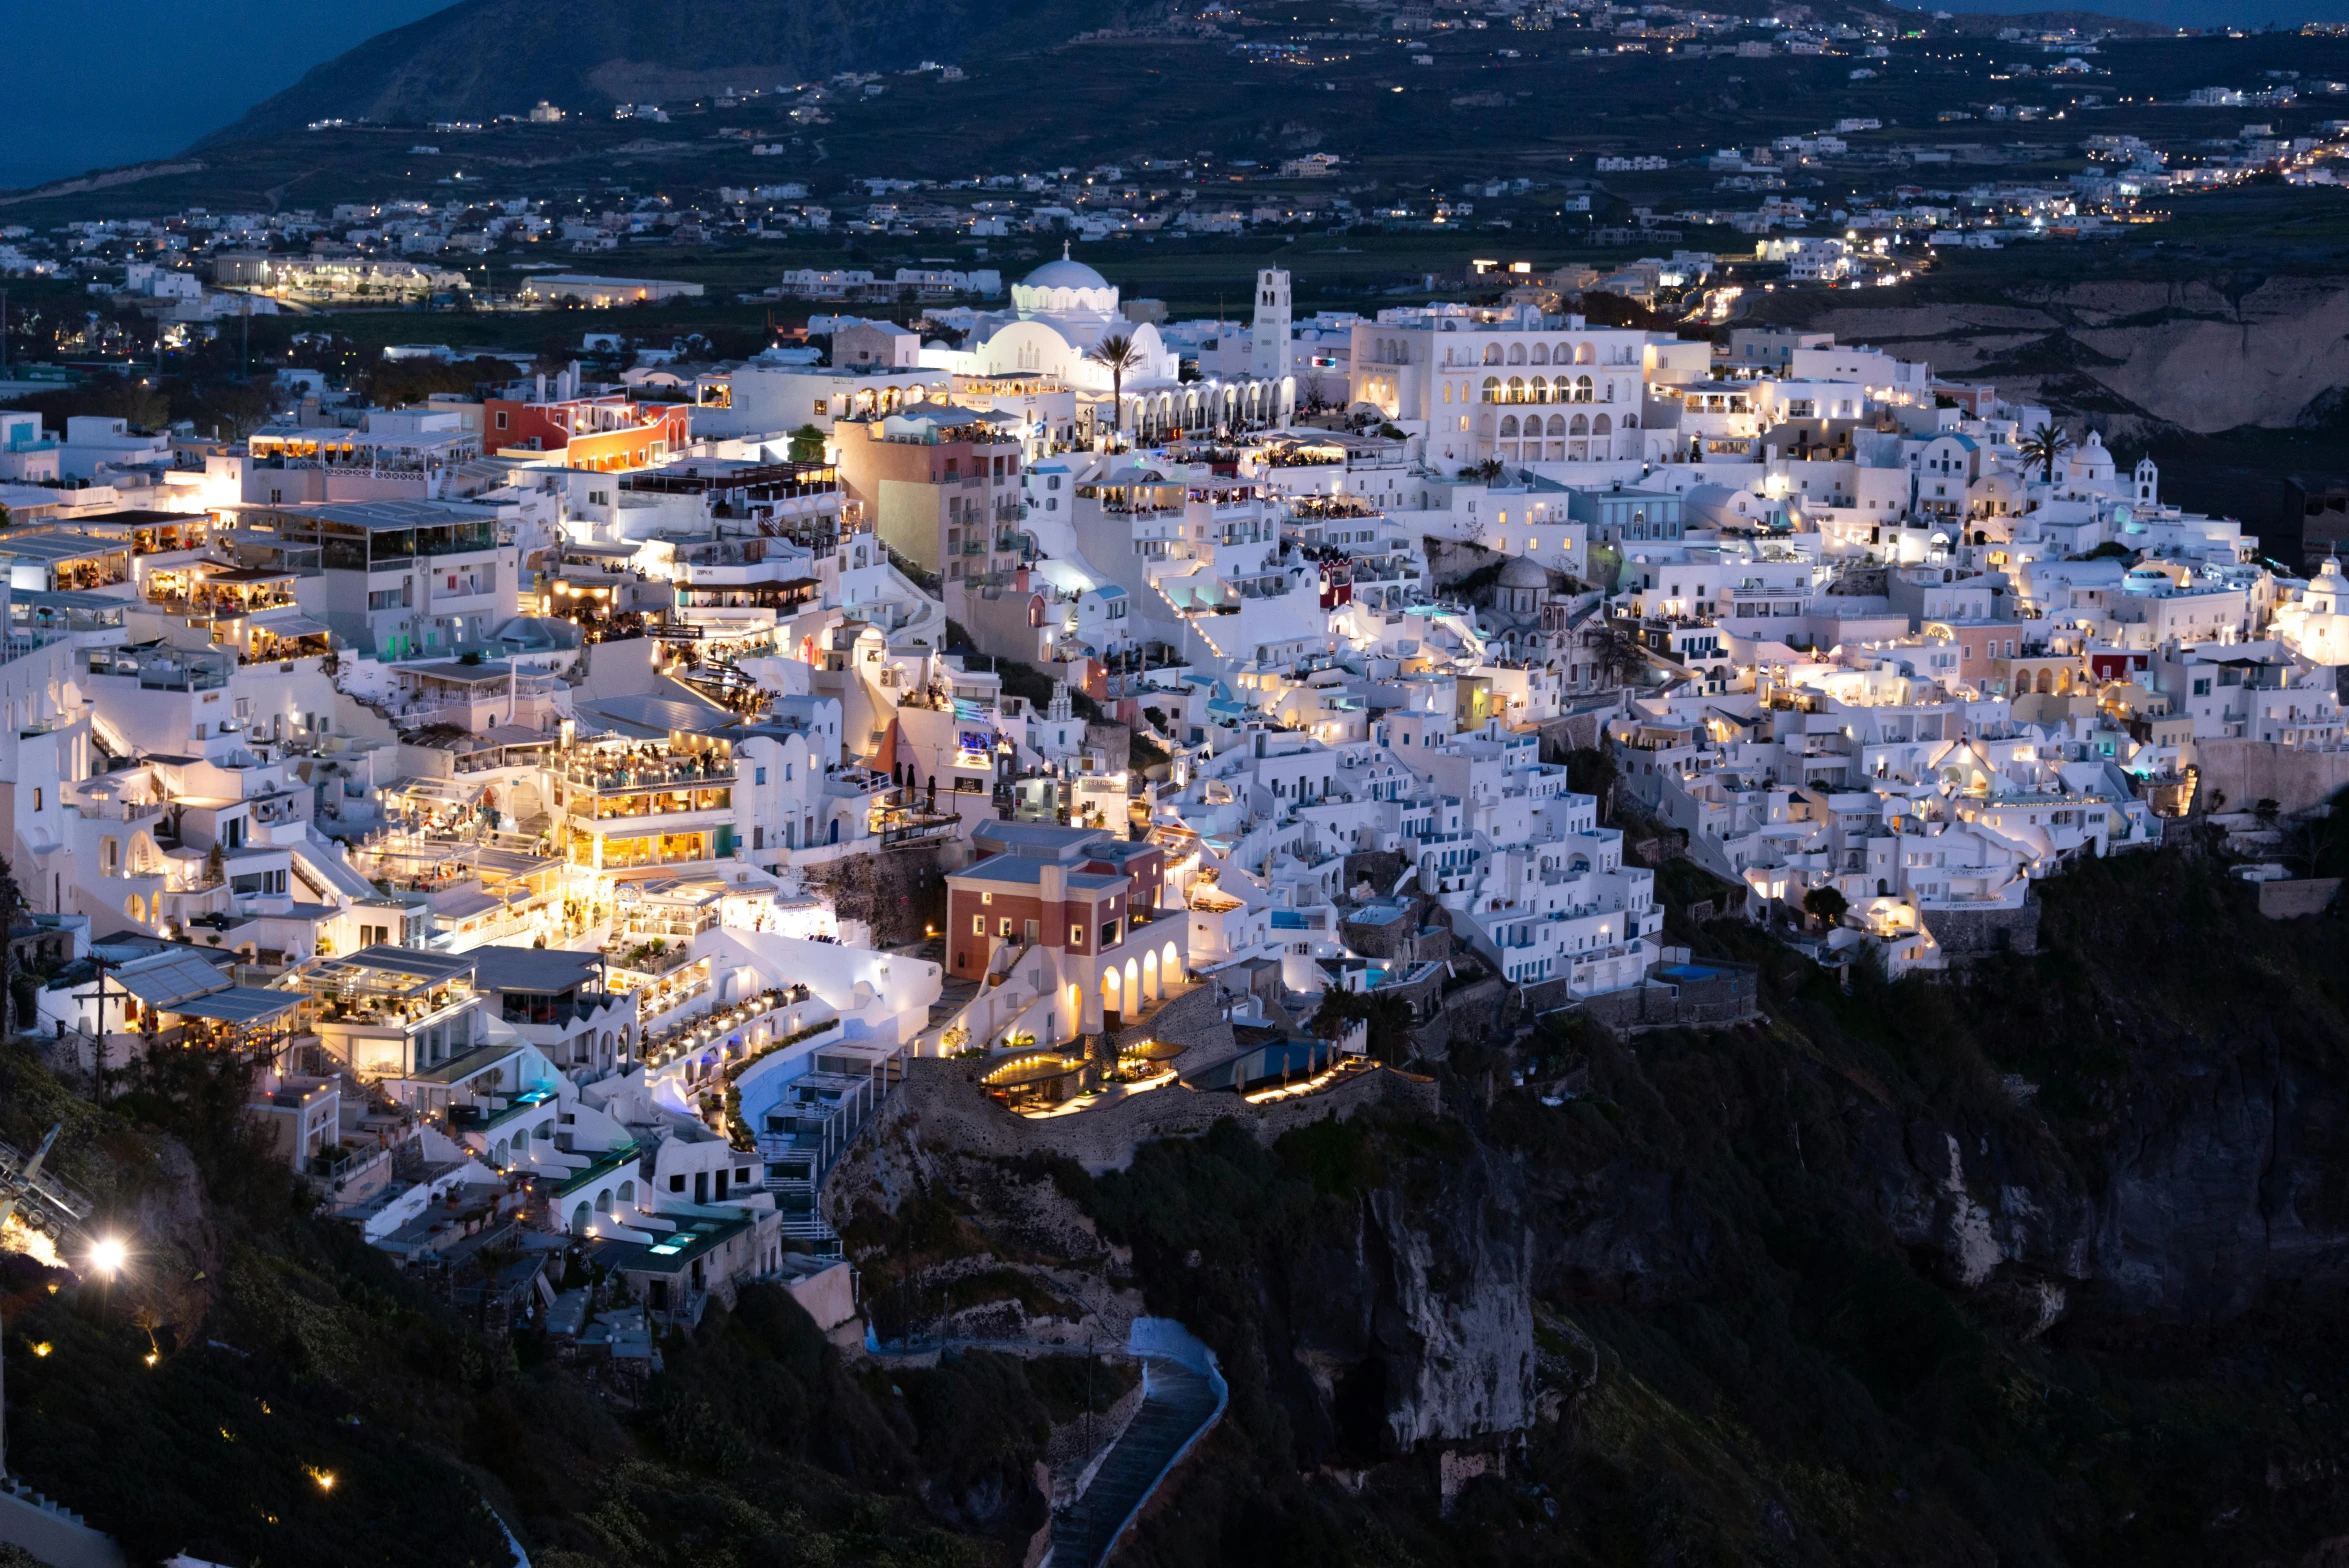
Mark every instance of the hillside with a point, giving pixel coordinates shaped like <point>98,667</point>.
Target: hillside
<point>473,62</point>
<point>2046,1267</point>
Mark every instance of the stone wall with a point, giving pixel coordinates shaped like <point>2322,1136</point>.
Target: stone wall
<point>2247,772</point>
<point>900,891</point>
<point>1969,934</point>
<point>1730,993</point>
<point>2290,900</point>
<point>942,1098</point>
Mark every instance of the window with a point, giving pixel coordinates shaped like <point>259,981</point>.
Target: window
<point>760,776</point>
<point>1031,931</point>
<point>677,1184</point>
<point>36,799</point>
<point>1076,936</point>
<point>986,898</point>
<point>501,419</point>
<point>758,838</point>
<point>1003,927</point>
<point>787,772</point>
<point>1109,933</point>
<point>978,925</point>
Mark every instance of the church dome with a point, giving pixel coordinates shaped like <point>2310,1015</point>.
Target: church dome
<point>1524,572</point>
<point>1066,273</point>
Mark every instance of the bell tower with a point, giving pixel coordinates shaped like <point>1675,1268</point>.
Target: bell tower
<point>1268,340</point>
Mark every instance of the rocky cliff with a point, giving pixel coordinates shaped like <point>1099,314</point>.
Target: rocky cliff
<point>2197,354</point>
<point>2046,1266</point>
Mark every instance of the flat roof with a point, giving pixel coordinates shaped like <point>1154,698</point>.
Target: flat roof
<point>459,1068</point>
<point>533,968</point>
<point>239,1004</point>
<point>1023,869</point>
<point>674,1253</point>
<point>389,515</point>
<point>59,547</point>
<point>420,962</point>
<point>68,599</point>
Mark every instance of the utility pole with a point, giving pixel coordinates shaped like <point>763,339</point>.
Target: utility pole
<point>98,1045</point>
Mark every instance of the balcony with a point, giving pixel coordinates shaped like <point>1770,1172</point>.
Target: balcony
<point>617,772</point>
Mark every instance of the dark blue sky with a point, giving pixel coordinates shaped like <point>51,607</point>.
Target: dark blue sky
<point>101,82</point>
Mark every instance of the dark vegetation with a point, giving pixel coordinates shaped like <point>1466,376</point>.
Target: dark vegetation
<point>285,1351</point>
<point>1782,1378</point>
<point>1784,1375</point>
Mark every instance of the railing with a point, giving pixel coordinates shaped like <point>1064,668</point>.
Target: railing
<point>650,775</point>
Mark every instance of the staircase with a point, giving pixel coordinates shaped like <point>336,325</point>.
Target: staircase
<point>319,866</point>
<point>799,1203</point>
<point>1178,1404</point>
<point>953,996</point>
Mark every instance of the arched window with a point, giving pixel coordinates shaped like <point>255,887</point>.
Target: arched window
<point>1580,427</point>
<point>1541,353</point>
<point>1492,389</point>
<point>1508,424</point>
<point>1541,389</point>
<point>1584,354</point>
<point>1557,424</point>
<point>1516,353</point>
<point>1516,389</point>
<point>1602,426</point>
<point>1492,353</point>
<point>1631,421</point>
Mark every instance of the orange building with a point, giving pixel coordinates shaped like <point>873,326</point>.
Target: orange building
<point>607,434</point>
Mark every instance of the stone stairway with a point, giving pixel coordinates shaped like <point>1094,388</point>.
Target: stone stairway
<point>1178,1402</point>
<point>23,1492</point>
<point>953,996</point>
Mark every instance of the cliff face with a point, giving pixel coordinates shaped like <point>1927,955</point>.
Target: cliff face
<point>2188,353</point>
<point>2043,1267</point>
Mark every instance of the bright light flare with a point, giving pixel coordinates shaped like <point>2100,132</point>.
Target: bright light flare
<point>17,1236</point>
<point>108,1255</point>
<point>324,1478</point>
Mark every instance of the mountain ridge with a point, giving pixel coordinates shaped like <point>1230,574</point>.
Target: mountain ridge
<point>477,61</point>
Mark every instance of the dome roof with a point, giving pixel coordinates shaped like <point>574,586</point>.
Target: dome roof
<point>1066,273</point>
<point>1524,572</point>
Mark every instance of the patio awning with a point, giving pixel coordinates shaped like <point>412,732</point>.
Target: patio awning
<point>240,1004</point>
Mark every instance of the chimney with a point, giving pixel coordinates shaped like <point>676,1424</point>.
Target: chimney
<point>540,386</point>
<point>1051,888</point>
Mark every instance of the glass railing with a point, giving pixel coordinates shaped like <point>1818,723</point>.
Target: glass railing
<point>634,773</point>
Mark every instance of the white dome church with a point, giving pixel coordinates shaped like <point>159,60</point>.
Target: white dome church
<point>1061,311</point>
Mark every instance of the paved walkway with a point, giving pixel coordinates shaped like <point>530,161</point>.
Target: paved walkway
<point>1177,1403</point>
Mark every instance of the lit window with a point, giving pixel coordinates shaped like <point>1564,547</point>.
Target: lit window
<point>978,925</point>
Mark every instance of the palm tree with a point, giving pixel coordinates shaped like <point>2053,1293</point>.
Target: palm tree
<point>1117,354</point>
<point>2044,446</point>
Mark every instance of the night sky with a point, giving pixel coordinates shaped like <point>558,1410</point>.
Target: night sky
<point>101,82</point>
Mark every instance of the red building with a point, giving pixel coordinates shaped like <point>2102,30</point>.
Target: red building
<point>607,434</point>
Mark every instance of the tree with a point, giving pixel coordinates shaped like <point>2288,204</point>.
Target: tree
<point>2045,446</point>
<point>1117,354</point>
<point>12,902</point>
<point>1617,651</point>
<point>807,445</point>
<point>1825,905</point>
